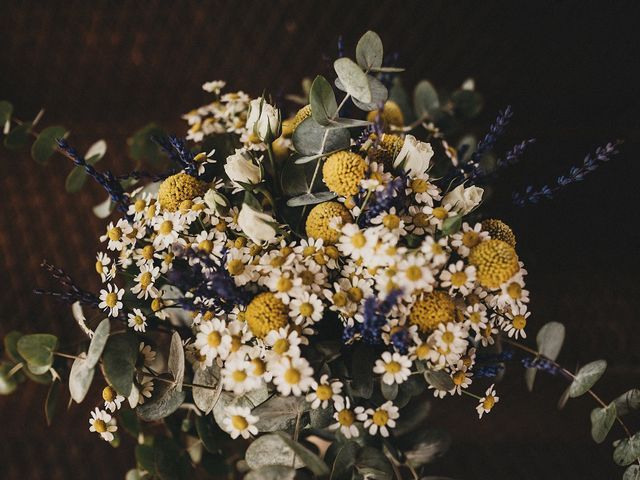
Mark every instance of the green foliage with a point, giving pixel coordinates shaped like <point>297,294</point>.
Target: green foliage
<point>627,450</point>
<point>425,99</point>
<point>323,101</point>
<point>428,445</point>
<point>272,472</point>
<point>6,110</point>
<point>279,413</point>
<point>627,402</point>
<point>353,79</point>
<point>142,148</point>
<point>165,400</point>
<point>310,199</point>
<point>632,473</point>
<point>98,342</point>
<point>19,137</point>
<point>80,379</point>
<point>8,384</point>
<point>206,398</point>
<point>379,95</point>
<point>271,449</point>
<point>467,103</point>
<point>373,464</point>
<point>11,345</point>
<point>37,350</point>
<point>362,370</point>
<point>78,176</point>
<point>601,422</point>
<point>345,459</point>
<point>439,380</point>
<point>451,225</point>
<point>586,378</point>
<point>311,138</point>
<point>119,361</point>
<point>369,51</point>
<point>312,461</point>
<point>46,143</point>
<point>51,402</point>
<point>549,339</point>
<point>176,360</point>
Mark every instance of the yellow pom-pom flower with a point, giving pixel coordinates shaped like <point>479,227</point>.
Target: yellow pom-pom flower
<point>386,150</point>
<point>496,262</point>
<point>301,116</point>
<point>431,310</point>
<point>265,313</point>
<point>178,188</point>
<point>391,115</point>
<point>343,172</point>
<point>320,217</point>
<point>499,230</point>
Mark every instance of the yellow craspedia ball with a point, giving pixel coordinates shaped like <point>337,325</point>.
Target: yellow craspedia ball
<point>287,127</point>
<point>499,230</point>
<point>301,116</point>
<point>320,216</point>
<point>178,188</point>
<point>391,115</point>
<point>280,148</point>
<point>496,262</point>
<point>265,313</point>
<point>431,310</point>
<point>343,171</point>
<point>386,150</point>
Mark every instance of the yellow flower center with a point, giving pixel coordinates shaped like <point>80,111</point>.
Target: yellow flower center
<point>214,339</point>
<point>100,426</point>
<point>277,262</point>
<point>99,267</point>
<point>440,213</point>
<point>413,273</point>
<point>393,367</point>
<point>166,227</point>
<point>306,309</point>
<point>448,337</point>
<point>145,279</point>
<point>115,234</point>
<point>422,351</point>
<point>421,219</point>
<point>258,366</point>
<point>239,422</point>
<point>458,279</point>
<point>281,346</point>
<point>519,322</point>
<point>111,299</point>
<point>168,258</point>
<point>147,252</point>
<point>108,394</point>
<point>139,206</point>
<point>307,277</point>
<point>358,240</point>
<point>419,185</point>
<point>206,246</point>
<point>156,304</point>
<point>236,343</point>
<point>514,290</point>
<point>239,376</point>
<point>284,284</point>
<point>355,294</point>
<point>346,417</point>
<point>459,377</point>
<point>470,239</point>
<point>138,320</point>
<point>292,376</point>
<point>391,221</point>
<point>235,267</point>
<point>380,417</point>
<point>339,299</point>
<point>308,251</point>
<point>488,402</point>
<point>324,392</point>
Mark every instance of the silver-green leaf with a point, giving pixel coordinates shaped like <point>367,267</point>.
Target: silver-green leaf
<point>310,199</point>
<point>270,449</point>
<point>176,360</point>
<point>353,78</point>
<point>586,378</point>
<point>369,51</point>
<point>425,99</point>
<point>272,472</point>
<point>323,101</point>
<point>164,401</point>
<point>549,339</point>
<point>601,422</point>
<point>310,459</point>
<point>98,341</point>
<point>439,380</point>
<point>628,402</point>
<point>206,398</point>
<point>627,450</point>
<point>309,138</point>
<point>632,472</point>
<point>80,379</point>
<point>279,413</point>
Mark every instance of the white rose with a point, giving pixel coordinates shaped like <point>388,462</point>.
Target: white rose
<point>240,168</point>
<point>414,155</point>
<point>263,119</point>
<point>258,226</point>
<point>215,200</point>
<point>463,200</point>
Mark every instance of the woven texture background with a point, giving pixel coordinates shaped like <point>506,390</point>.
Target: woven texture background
<point>104,69</point>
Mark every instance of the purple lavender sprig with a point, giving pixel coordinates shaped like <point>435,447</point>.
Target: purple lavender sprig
<point>107,180</point>
<point>489,140</point>
<point>576,174</point>
<point>375,317</point>
<point>514,155</point>
<point>177,150</point>
<point>71,292</point>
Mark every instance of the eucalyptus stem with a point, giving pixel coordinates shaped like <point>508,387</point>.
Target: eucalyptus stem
<point>184,384</point>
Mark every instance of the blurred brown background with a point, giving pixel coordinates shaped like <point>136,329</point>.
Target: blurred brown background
<point>104,69</point>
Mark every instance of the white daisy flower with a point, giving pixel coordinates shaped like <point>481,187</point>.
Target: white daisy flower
<point>144,255</point>
<point>382,418</point>
<point>458,277</point>
<point>283,343</point>
<point>448,342</point>
<point>435,251</point>
<point>118,235</point>
<point>512,293</point>
<point>394,367</point>
<point>111,299</point>
<point>102,423</point>
<point>391,222</point>
<point>284,284</point>
<point>306,309</point>
<point>137,320</point>
<point>239,422</point>
<point>112,400</point>
<point>145,390</point>
<point>413,274</point>
<point>236,375</point>
<point>357,243</point>
<point>168,227</point>
<point>437,215</point>
<point>103,269</point>
<point>486,335</point>
<point>145,282</point>
<point>292,376</point>
<point>476,317</point>
<point>517,322</point>
<point>417,221</point>
<point>461,378</point>
<point>487,402</point>
<point>213,340</point>
<point>240,267</point>
<point>345,418</point>
<point>323,392</point>
<point>467,238</point>
<point>146,354</point>
<point>424,191</point>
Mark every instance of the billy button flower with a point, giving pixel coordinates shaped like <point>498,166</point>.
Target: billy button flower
<point>343,171</point>
<point>386,150</point>
<point>179,187</point>
<point>265,313</point>
<point>318,223</point>
<point>495,261</point>
<point>499,230</point>
<point>431,310</point>
<point>301,116</point>
<point>390,115</point>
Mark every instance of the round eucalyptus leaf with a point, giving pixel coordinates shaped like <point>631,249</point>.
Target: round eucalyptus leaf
<point>439,380</point>
<point>369,51</point>
<point>601,422</point>
<point>164,401</point>
<point>632,472</point>
<point>75,180</point>
<point>98,342</point>
<point>353,78</point>
<point>119,361</point>
<point>46,143</point>
<point>96,152</point>
<point>311,138</point>
<point>627,450</point>
<point>279,413</point>
<point>206,398</point>
<point>310,199</point>
<point>19,137</point>
<point>628,402</point>
<point>176,360</point>
<point>323,101</point>
<point>312,461</point>
<point>586,378</point>
<point>379,95</point>
<point>425,99</point>
<point>80,379</point>
<point>37,349</point>
<point>272,472</point>
<point>271,449</point>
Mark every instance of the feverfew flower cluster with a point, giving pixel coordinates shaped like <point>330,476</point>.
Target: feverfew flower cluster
<point>394,261</point>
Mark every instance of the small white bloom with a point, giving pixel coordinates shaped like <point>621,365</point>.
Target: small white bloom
<point>111,299</point>
<point>394,367</point>
<point>258,226</point>
<point>458,277</point>
<point>263,119</point>
<point>103,269</point>
<point>145,280</point>
<point>112,400</point>
<point>213,340</point>
<point>292,375</point>
<point>323,392</point>
<point>239,422</point>
<point>137,320</point>
<point>379,419</point>
<point>414,156</point>
<point>236,374</point>
<point>240,168</point>
<point>487,402</point>
<point>345,418</point>
<point>102,423</point>
<point>463,200</point>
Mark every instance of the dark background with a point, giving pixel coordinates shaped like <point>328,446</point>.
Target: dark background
<point>568,69</point>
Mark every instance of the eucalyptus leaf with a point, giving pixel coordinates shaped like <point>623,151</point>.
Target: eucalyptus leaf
<point>386,69</point>
<point>628,402</point>
<point>389,392</point>
<point>373,464</point>
<point>271,449</point>
<point>586,378</point>
<point>176,360</point>
<point>310,199</point>
<point>362,370</point>
<point>348,123</point>
<point>439,380</point>
<point>7,384</point>
<point>75,180</point>
<point>10,342</point>
<point>345,460</point>
<point>627,450</point>
<point>279,413</point>
<point>6,110</point>
<point>206,398</point>
<point>425,99</point>
<point>399,95</point>
<point>369,51</point>
<point>429,448</point>
<point>309,138</point>
<point>45,145</point>
<point>323,101</point>
<point>272,472</point>
<point>601,422</point>
<point>379,95</point>
<point>104,209</point>
<point>96,151</point>
<point>321,417</point>
<point>467,103</point>
<point>98,342</point>
<point>205,430</point>
<point>119,361</point>
<point>632,472</point>
<point>143,148</point>
<point>310,459</point>
<point>164,401</point>
<point>80,379</point>
<point>19,137</point>
<point>37,349</point>
<point>51,402</point>
<point>169,460</point>
<point>353,78</point>
<point>451,225</point>
<point>549,339</point>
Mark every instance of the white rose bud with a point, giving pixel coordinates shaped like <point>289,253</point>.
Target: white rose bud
<point>241,169</point>
<point>463,200</point>
<point>258,226</point>
<point>215,200</point>
<point>263,120</point>
<point>414,156</point>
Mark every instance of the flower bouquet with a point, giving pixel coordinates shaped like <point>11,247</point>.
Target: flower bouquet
<point>286,296</point>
